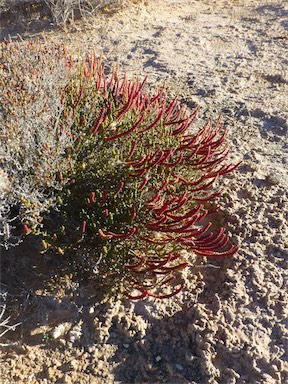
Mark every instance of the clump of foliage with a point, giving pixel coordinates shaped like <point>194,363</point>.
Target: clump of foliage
<point>129,179</point>
<point>67,11</point>
<point>32,141</point>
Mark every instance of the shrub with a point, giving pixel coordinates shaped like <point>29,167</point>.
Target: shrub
<point>67,11</point>
<point>131,179</point>
<point>32,142</point>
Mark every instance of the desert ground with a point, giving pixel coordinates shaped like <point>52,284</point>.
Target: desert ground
<point>230,323</point>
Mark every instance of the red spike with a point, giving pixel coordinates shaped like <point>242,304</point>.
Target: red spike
<point>122,235</point>
<point>127,132</point>
<point>230,252</point>
<point>177,162</point>
<point>152,125</point>
<point>144,182</point>
<point>137,265</point>
<point>83,227</point>
<point>133,213</point>
<point>140,161</point>
<point>98,121</point>
<point>119,189</point>
<point>133,148</point>
<point>171,108</point>
<point>208,198</point>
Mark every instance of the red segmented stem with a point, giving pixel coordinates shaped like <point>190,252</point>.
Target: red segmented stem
<point>177,162</point>
<point>132,95</point>
<point>104,198</point>
<point>151,165</point>
<point>92,198</point>
<point>187,215</point>
<point>155,198</point>
<point>127,132</point>
<point>99,78</point>
<point>175,267</point>
<point>165,206</point>
<point>140,161</point>
<point>137,265</point>
<point>190,237</point>
<point>144,182</point>
<point>171,108</point>
<point>153,266</point>
<point>168,153</point>
<point>124,84</point>
<point>26,229</point>
<point>121,235</point>
<point>158,95</point>
<point>163,186</point>
<point>171,256</point>
<point>155,122</point>
<point>80,95</point>
<point>181,129</point>
<point>207,198</point>
<point>83,227</point>
<point>205,186</point>
<point>132,150</point>
<point>230,252</point>
<point>156,224</point>
<point>120,188</point>
<point>98,121</point>
<point>133,213</point>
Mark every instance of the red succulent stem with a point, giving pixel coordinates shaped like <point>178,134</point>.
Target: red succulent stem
<point>133,213</point>
<point>121,235</point>
<point>171,108</point>
<point>144,182</point>
<point>138,264</point>
<point>229,252</point>
<point>187,215</point>
<point>177,162</point>
<point>140,161</point>
<point>120,188</point>
<point>80,95</point>
<point>83,227</point>
<point>135,126</point>
<point>132,150</point>
<point>132,89</point>
<point>98,121</point>
<point>92,198</point>
<point>155,122</point>
<point>104,198</point>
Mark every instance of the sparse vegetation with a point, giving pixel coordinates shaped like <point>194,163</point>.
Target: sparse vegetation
<point>107,175</point>
<point>67,11</point>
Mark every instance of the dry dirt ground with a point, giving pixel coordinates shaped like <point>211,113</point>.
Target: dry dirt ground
<point>230,325</point>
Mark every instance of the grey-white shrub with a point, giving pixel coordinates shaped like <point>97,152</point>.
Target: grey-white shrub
<point>65,11</point>
<point>33,144</point>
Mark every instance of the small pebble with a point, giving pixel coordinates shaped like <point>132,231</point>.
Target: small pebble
<point>158,358</point>
<point>179,367</point>
<point>126,345</point>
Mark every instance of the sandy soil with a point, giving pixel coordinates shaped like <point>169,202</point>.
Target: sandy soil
<point>230,325</point>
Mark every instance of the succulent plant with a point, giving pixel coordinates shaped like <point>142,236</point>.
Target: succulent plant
<point>135,194</point>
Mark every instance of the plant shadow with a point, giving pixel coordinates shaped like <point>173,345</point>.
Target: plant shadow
<point>168,348</point>
<point>24,18</point>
